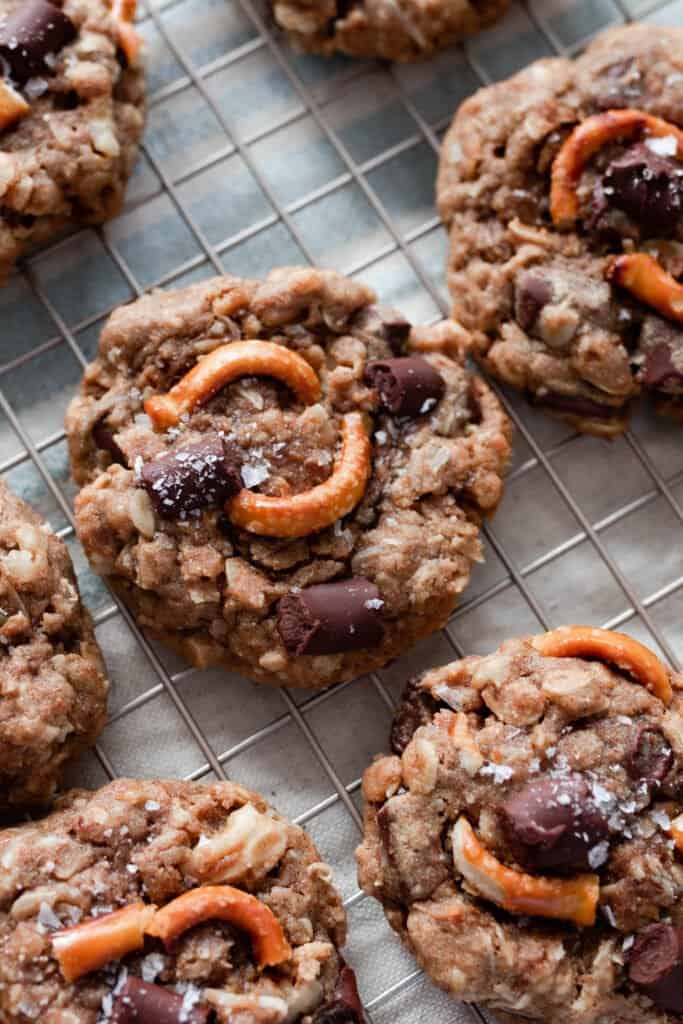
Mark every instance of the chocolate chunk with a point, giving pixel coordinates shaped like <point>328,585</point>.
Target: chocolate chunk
<point>386,323</point>
<point>33,32</point>
<point>139,1002</point>
<point>103,436</point>
<point>659,370</point>
<point>648,187</point>
<point>417,708</point>
<point>577,405</point>
<point>650,756</point>
<point>407,386</point>
<point>193,477</point>
<point>554,824</point>
<point>656,965</point>
<point>345,1005</point>
<point>532,293</point>
<point>331,618</point>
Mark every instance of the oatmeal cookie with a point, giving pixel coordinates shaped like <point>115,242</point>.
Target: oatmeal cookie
<point>71,116</point>
<point>169,901</point>
<point>526,838</point>
<point>282,476</point>
<point>563,193</point>
<point>53,693</point>
<point>398,30</point>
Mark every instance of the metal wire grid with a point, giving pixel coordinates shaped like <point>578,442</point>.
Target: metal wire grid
<point>606,520</point>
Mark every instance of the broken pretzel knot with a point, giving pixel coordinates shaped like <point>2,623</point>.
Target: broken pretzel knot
<point>606,645</point>
<point>225,364</point>
<point>297,515</point>
<point>585,140</point>
<point>572,899</point>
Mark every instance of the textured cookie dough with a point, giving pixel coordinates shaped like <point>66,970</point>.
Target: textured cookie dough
<point>53,693</point>
<point>543,316</point>
<point>151,512</point>
<point>399,30</point>
<point>563,768</point>
<point>66,161</point>
<point>150,842</point>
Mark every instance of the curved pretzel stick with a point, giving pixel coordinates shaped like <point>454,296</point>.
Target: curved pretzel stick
<point>573,899</point>
<point>129,40</point>
<point>224,903</point>
<point>225,364</point>
<point>617,648</point>
<point>300,514</point>
<point>585,140</point>
<point>89,946</point>
<point>645,278</point>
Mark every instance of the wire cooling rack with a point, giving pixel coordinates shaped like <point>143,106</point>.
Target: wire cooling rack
<point>255,157</point>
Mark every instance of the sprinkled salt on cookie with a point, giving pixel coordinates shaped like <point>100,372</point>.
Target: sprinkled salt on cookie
<point>304,527</point>
<point>232,929</point>
<point>515,835</point>
<point>565,212</point>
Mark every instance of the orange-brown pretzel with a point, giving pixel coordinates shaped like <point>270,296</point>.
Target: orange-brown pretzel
<point>224,903</point>
<point>617,648</point>
<point>585,140</point>
<point>297,515</point>
<point>89,946</point>
<point>129,40</point>
<point>645,278</point>
<point>225,364</point>
<point>676,829</point>
<point>13,106</point>
<point>571,899</point>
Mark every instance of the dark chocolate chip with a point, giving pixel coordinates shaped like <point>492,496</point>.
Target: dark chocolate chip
<point>34,31</point>
<point>655,965</point>
<point>553,824</point>
<point>407,386</point>
<point>331,618</point>
<point>659,370</point>
<point>395,328</point>
<point>577,405</point>
<point>648,187</point>
<point>193,477</point>
<point>345,1005</point>
<point>386,323</point>
<point>417,708</point>
<point>103,436</point>
<point>650,756</point>
<point>532,293</point>
<point>139,1002</point>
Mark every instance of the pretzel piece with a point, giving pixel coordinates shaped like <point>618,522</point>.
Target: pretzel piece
<point>676,829</point>
<point>225,364</point>
<point>297,515</point>
<point>644,277</point>
<point>13,106</point>
<point>572,899</point>
<point>89,946</point>
<point>606,645</point>
<point>585,140</point>
<point>224,903</point>
<point>130,41</point>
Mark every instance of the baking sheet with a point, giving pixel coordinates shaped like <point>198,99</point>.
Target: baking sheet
<point>255,157</point>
